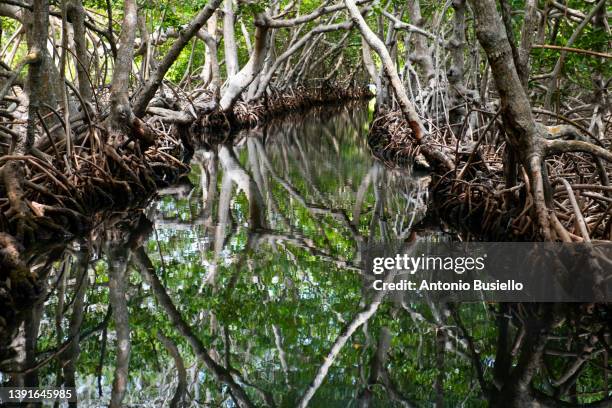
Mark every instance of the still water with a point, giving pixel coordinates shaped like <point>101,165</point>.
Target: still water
<point>246,285</point>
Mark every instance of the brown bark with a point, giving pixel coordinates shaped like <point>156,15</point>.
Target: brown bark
<point>40,86</point>
<point>523,134</point>
<point>76,14</point>
<point>121,112</point>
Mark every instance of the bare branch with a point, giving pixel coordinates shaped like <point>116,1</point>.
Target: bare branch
<point>567,146</point>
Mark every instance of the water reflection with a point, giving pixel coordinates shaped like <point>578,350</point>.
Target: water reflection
<point>244,286</point>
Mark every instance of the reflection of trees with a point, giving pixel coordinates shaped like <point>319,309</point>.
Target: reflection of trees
<point>117,254</point>
<point>178,399</point>
<point>349,329</point>
<point>379,374</point>
<point>276,227</point>
<point>222,374</point>
<point>70,356</point>
<point>267,182</point>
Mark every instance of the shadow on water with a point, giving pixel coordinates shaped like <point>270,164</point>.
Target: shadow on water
<point>245,286</point>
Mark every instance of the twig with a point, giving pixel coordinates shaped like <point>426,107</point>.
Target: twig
<point>571,49</point>
<point>579,218</point>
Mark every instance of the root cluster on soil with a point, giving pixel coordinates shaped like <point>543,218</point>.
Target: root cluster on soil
<point>277,103</point>
<point>473,197</point>
<point>65,190</point>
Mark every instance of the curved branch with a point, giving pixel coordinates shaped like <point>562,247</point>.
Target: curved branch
<point>571,49</point>
<point>181,387</point>
<point>265,20</point>
<point>567,146</point>
<point>185,35</point>
<point>400,25</point>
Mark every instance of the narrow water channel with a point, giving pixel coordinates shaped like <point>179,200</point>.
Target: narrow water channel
<point>260,252</point>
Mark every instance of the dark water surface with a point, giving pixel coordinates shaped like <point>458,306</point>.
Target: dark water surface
<point>261,256</point>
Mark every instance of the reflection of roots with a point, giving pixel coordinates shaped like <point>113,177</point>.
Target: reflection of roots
<point>53,196</point>
<point>18,287</point>
<point>574,197</point>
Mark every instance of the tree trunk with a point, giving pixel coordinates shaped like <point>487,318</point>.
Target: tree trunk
<point>211,52</point>
<point>457,92</point>
<point>527,36</point>
<point>40,82</point>
<point>368,62</point>
<point>213,77</point>
<point>237,84</point>
<point>520,126</point>
<point>422,54</point>
<point>229,39</point>
<point>121,112</point>
<point>76,14</point>
<point>389,67</point>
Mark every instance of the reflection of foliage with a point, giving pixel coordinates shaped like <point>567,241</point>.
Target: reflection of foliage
<point>285,286</point>
<point>262,286</point>
<point>283,291</point>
